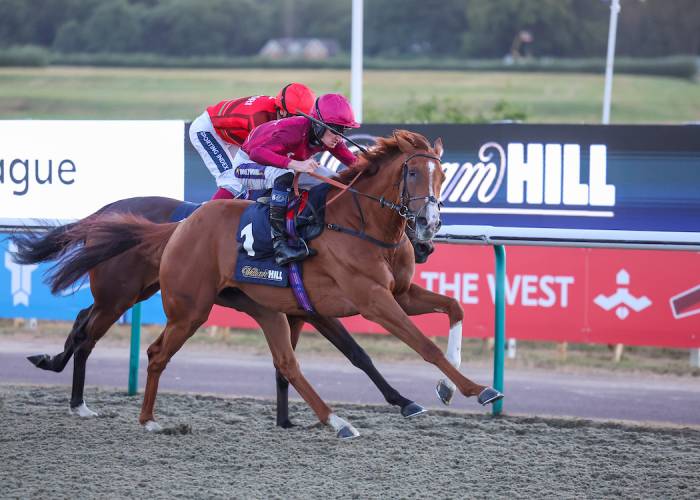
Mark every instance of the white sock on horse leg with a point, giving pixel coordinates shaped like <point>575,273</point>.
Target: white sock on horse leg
<point>454,349</point>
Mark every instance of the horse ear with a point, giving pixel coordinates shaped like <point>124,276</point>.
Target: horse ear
<point>404,144</point>
<point>438,147</point>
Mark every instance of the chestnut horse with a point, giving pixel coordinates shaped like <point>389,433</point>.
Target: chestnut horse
<point>357,270</point>
<point>120,282</point>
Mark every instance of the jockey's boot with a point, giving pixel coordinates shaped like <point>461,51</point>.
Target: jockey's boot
<point>284,254</point>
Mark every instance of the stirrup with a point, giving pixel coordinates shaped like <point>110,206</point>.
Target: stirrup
<point>284,255</point>
<point>310,252</point>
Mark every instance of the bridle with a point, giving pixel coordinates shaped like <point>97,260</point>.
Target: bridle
<point>402,208</point>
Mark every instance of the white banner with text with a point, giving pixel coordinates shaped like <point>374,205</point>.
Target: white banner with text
<point>60,170</point>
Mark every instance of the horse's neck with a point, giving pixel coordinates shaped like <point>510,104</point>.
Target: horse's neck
<point>381,223</point>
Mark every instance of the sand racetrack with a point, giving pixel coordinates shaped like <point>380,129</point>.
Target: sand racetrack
<point>218,447</point>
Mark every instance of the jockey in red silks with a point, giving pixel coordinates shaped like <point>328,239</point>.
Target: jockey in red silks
<point>277,149</point>
<point>218,133</point>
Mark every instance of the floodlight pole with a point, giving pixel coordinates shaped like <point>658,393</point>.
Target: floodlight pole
<point>610,61</point>
<point>356,59</point>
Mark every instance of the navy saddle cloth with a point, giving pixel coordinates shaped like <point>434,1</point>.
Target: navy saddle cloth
<point>256,263</point>
<point>183,210</point>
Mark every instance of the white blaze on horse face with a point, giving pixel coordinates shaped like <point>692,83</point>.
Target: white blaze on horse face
<point>432,214</point>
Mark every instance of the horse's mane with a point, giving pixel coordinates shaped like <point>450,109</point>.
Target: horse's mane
<point>386,147</point>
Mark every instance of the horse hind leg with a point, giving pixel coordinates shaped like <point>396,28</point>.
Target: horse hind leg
<point>58,362</point>
<point>98,322</point>
<point>276,330</point>
<point>334,331</point>
<point>295,326</point>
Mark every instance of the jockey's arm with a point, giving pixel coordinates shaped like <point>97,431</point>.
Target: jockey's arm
<point>270,154</point>
<point>343,154</point>
<point>273,150</point>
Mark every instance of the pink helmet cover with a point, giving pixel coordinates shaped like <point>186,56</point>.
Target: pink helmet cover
<point>334,109</point>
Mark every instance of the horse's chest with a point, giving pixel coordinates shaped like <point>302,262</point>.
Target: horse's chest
<point>402,281</point>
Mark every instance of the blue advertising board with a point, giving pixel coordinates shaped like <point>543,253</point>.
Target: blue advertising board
<point>23,294</point>
<point>634,178</point>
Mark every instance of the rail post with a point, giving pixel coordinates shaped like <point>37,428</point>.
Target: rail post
<point>134,349</point>
<point>500,324</point>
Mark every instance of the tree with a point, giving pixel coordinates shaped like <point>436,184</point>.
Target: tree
<point>114,27</point>
<point>567,28</point>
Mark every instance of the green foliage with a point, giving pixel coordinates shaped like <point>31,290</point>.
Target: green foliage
<point>559,27</point>
<point>114,26</point>
<point>24,55</point>
<point>677,66</point>
<point>393,28</point>
<point>149,60</point>
<point>447,110</point>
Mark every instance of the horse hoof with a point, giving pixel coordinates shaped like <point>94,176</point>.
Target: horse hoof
<point>287,424</point>
<point>39,360</point>
<point>153,426</point>
<point>343,428</point>
<point>412,409</point>
<point>489,395</point>
<point>445,391</point>
<point>348,432</point>
<point>82,411</point>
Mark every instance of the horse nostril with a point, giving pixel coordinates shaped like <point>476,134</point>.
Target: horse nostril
<point>422,221</point>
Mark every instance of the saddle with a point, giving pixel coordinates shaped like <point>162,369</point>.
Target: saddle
<point>305,220</point>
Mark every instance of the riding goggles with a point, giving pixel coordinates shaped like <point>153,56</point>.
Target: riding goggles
<point>338,129</point>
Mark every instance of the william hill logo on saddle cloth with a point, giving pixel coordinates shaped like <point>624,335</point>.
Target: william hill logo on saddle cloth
<point>255,262</point>
<point>263,274</point>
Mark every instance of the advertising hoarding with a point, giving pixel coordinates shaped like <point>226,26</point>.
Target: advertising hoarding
<point>637,178</point>
<point>64,170</point>
<point>634,297</point>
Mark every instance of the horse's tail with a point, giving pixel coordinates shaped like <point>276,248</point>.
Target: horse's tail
<point>106,236</point>
<point>33,248</point>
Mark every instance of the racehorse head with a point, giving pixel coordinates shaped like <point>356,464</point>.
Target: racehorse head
<point>404,174</point>
<point>420,184</point>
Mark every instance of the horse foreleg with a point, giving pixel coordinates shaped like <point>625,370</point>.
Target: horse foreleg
<point>333,330</point>
<point>377,304</point>
<point>417,300</point>
<point>277,334</point>
<point>295,326</point>
<point>159,353</point>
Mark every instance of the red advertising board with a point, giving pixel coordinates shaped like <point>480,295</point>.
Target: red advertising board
<point>634,297</point>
